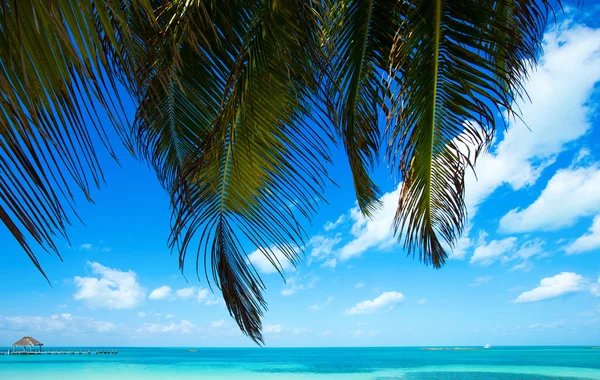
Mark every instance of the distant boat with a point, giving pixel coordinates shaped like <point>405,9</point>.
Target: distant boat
<point>487,346</point>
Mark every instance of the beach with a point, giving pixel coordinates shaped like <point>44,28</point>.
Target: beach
<point>314,363</point>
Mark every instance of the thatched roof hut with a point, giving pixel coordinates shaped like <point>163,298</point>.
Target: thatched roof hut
<point>28,341</point>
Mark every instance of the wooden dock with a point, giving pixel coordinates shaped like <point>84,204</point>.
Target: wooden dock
<point>62,352</point>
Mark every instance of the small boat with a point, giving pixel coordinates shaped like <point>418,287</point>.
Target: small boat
<point>487,346</point>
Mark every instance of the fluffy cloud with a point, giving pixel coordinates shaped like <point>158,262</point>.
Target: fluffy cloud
<point>160,293</point>
<point>322,247</point>
<point>375,232</point>
<point>186,292</point>
<point>272,329</point>
<point>264,265</point>
<point>57,323</point>
<point>201,295</point>
<point>333,225</point>
<point>297,283</point>
<point>217,324</point>
<point>507,251</point>
<point>570,67</point>
<point>552,287</point>
<point>570,194</point>
<point>487,253</point>
<point>85,247</point>
<point>183,327</point>
<point>462,245</point>
<point>588,242</point>
<point>386,301</point>
<point>112,289</point>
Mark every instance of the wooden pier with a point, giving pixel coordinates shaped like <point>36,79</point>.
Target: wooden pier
<point>62,352</point>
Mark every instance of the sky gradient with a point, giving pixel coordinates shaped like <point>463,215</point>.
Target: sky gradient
<point>525,272</point>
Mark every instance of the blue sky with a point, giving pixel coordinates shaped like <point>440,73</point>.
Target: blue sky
<point>526,271</point>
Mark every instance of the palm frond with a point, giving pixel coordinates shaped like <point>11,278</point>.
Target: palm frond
<point>363,34</point>
<point>458,65</point>
<point>55,57</point>
<point>231,140</point>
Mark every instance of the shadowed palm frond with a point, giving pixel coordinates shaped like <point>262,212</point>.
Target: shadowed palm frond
<point>54,57</point>
<point>363,34</point>
<point>457,65</point>
<point>233,138</point>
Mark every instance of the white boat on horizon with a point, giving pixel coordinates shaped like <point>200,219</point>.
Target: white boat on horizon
<point>487,346</point>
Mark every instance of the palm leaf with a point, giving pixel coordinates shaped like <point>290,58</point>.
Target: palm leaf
<point>458,64</point>
<point>363,34</point>
<point>231,141</point>
<point>54,60</point>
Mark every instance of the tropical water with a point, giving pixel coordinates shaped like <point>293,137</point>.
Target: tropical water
<point>310,363</point>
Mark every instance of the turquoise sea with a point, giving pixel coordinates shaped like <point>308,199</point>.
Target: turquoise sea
<point>526,363</point>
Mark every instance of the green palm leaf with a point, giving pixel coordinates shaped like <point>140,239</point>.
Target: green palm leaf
<point>53,59</point>
<point>363,34</point>
<point>458,64</point>
<point>231,140</point>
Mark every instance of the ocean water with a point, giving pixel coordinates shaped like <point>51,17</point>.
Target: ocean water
<point>526,363</point>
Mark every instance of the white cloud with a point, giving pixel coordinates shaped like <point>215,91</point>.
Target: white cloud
<point>297,283</point>
<point>169,316</point>
<point>422,301</point>
<point>332,225</point>
<point>201,295</point>
<point>278,329</point>
<point>86,247</point>
<point>528,250</point>
<point>571,194</point>
<point>375,232</point>
<point>186,292</point>
<point>386,301</point>
<point>325,333</point>
<point>272,329</point>
<point>330,264</point>
<point>487,253</point>
<point>359,285</point>
<point>141,314</point>
<point>183,327</point>
<point>57,323</point>
<point>217,324</point>
<point>113,289</point>
<point>595,288</point>
<point>322,247</point>
<point>552,287</point>
<point>525,266</point>
<point>160,293</point>
<point>462,245</point>
<point>569,67</point>
<point>265,266</point>
<point>588,242</point>
<point>481,280</point>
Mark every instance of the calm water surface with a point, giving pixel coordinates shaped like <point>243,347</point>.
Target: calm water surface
<point>311,363</point>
